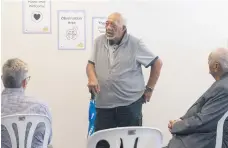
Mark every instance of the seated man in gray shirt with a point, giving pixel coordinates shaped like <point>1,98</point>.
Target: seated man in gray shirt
<point>13,101</point>
<point>197,128</point>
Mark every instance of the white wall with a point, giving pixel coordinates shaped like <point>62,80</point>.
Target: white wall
<point>182,33</point>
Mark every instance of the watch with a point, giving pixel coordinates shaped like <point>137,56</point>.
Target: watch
<point>149,89</point>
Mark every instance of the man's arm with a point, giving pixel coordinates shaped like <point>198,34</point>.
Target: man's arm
<point>148,59</point>
<point>154,73</point>
<point>91,74</point>
<point>92,78</point>
<point>206,120</point>
<point>90,70</point>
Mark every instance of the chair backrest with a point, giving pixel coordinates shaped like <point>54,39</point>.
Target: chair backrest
<point>219,135</point>
<point>127,137</point>
<point>21,121</point>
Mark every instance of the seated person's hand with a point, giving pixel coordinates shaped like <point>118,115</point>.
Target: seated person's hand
<point>171,122</point>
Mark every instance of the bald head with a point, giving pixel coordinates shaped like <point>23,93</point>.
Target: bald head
<point>115,27</point>
<point>118,18</point>
<point>218,61</point>
<point>220,55</point>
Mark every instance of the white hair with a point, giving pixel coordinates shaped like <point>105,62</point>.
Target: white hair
<point>124,21</point>
<point>223,59</point>
<point>221,54</point>
<point>14,72</point>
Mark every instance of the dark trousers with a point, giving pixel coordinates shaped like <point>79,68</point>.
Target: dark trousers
<point>123,116</point>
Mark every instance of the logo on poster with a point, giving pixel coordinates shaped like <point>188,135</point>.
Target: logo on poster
<point>36,16</point>
<point>45,29</point>
<point>80,45</point>
<point>72,33</point>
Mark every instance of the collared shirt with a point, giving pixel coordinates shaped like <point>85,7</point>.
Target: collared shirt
<point>111,50</point>
<point>119,70</point>
<point>14,101</point>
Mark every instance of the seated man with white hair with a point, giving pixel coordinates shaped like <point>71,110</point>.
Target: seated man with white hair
<point>15,79</point>
<point>197,128</point>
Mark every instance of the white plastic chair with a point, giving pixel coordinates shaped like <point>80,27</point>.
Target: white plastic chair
<point>22,120</point>
<point>131,137</point>
<point>219,134</point>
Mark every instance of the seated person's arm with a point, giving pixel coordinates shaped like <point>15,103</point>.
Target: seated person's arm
<point>206,120</point>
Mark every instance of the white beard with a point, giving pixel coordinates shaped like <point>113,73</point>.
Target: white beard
<point>110,38</point>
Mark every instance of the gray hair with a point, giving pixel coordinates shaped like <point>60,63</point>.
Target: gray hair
<point>123,20</point>
<point>221,54</point>
<point>14,72</point>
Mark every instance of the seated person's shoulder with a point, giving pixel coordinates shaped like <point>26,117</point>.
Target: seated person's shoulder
<point>216,93</point>
<point>38,106</point>
<point>222,90</point>
<point>223,83</point>
<point>220,87</point>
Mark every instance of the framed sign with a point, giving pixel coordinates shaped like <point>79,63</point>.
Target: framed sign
<point>36,16</point>
<point>71,29</point>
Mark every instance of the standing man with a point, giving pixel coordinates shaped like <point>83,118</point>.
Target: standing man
<point>115,76</point>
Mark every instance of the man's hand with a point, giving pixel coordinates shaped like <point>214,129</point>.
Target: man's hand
<point>171,122</point>
<point>147,95</point>
<point>93,86</point>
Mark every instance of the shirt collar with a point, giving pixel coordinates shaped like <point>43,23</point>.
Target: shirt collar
<point>17,91</point>
<point>224,75</point>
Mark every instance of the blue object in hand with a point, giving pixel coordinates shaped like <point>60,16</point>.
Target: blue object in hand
<point>92,115</point>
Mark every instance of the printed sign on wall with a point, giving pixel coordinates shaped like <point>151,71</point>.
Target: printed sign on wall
<point>36,16</point>
<point>98,27</point>
<point>71,31</point>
